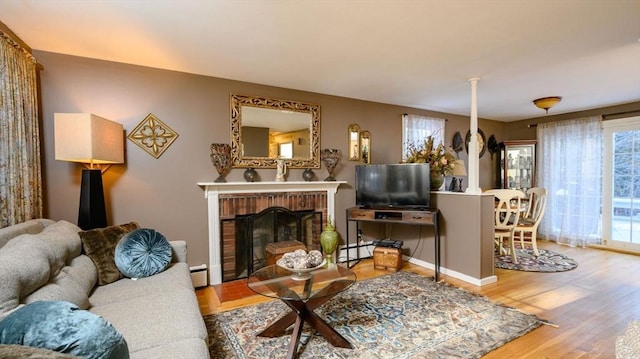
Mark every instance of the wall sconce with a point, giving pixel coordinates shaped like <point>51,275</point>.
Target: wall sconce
<point>546,103</point>
<point>459,170</point>
<point>93,141</point>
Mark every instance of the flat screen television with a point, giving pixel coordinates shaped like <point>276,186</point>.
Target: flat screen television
<point>404,185</point>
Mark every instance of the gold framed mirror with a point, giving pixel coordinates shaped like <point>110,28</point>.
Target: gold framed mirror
<point>354,142</point>
<point>365,147</point>
<point>259,125</point>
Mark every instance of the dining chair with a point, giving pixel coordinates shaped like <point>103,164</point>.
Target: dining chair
<point>527,228</point>
<point>507,214</point>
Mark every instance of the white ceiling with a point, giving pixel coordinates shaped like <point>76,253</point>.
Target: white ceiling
<point>405,52</point>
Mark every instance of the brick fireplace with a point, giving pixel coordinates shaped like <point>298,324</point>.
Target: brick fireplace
<point>228,201</point>
<point>254,220</point>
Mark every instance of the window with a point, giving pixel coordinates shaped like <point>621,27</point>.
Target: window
<point>621,184</point>
<point>416,129</point>
<point>286,150</point>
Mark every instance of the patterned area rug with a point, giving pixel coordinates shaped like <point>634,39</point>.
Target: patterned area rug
<point>400,315</point>
<point>547,261</point>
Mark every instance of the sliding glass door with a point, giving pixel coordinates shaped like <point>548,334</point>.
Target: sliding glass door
<point>621,184</point>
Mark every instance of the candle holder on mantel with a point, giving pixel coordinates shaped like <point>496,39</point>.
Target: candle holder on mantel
<point>331,157</point>
<point>221,159</point>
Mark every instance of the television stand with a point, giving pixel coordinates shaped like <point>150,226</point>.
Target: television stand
<point>413,216</point>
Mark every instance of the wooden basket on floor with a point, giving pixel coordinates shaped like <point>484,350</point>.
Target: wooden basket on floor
<point>388,258</point>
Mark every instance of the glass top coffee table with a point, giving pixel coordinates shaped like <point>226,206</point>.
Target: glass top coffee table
<point>302,296</point>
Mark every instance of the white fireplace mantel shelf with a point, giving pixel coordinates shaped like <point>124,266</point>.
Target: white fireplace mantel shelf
<point>213,190</point>
<point>259,187</point>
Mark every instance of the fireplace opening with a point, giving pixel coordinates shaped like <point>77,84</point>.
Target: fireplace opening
<point>253,232</point>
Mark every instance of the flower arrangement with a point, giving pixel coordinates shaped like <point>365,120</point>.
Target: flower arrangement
<point>441,160</point>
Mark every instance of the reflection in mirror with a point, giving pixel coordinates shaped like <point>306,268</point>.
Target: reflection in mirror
<point>286,150</point>
<point>365,147</point>
<point>265,129</point>
<point>354,142</point>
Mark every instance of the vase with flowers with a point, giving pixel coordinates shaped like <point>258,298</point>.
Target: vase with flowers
<point>441,161</point>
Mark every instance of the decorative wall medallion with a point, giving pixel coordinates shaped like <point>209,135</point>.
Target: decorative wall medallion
<point>153,136</point>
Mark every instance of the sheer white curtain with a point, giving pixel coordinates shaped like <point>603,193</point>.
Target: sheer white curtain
<point>416,128</point>
<point>570,155</point>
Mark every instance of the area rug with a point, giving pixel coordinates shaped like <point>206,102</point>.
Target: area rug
<point>400,315</point>
<point>547,261</point>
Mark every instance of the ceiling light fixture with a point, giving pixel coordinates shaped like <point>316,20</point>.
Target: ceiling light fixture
<point>546,103</point>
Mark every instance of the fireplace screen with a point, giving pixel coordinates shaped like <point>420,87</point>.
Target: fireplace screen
<point>248,236</point>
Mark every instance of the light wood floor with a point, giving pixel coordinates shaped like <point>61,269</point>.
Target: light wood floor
<point>591,305</point>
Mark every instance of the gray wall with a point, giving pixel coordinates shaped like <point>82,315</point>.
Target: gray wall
<point>162,193</point>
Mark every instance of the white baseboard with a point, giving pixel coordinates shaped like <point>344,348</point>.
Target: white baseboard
<point>451,273</point>
<point>365,250</point>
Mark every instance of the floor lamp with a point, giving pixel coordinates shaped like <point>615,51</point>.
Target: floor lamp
<point>97,143</point>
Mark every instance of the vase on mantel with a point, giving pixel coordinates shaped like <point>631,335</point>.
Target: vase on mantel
<point>308,175</point>
<point>436,180</point>
<point>250,175</point>
<point>221,159</point>
<point>329,241</point>
<point>330,157</point>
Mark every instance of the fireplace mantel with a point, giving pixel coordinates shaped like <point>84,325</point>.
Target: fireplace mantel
<point>213,190</point>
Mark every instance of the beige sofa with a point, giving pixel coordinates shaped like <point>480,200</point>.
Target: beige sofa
<point>158,316</point>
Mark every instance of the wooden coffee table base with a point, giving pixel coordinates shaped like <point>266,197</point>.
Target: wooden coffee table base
<point>302,312</point>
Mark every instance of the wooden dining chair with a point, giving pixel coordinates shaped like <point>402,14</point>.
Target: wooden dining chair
<point>507,214</point>
<point>527,228</point>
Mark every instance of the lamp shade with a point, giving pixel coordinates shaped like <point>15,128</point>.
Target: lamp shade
<point>546,103</point>
<point>87,138</point>
<point>459,169</point>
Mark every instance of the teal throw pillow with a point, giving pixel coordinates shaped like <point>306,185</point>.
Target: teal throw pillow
<point>143,253</point>
<point>63,327</point>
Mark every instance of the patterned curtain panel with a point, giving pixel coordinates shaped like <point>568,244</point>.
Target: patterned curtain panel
<point>20,173</point>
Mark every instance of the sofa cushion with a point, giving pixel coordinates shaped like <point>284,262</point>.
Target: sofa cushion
<point>72,284</point>
<point>63,327</point>
<point>29,261</point>
<point>176,276</point>
<point>100,245</point>
<point>65,243</point>
<point>23,269</point>
<point>31,226</point>
<point>142,253</point>
<point>156,319</point>
<point>64,290</point>
<point>83,272</point>
<point>185,348</point>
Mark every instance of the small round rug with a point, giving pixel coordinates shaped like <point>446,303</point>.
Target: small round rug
<point>547,261</point>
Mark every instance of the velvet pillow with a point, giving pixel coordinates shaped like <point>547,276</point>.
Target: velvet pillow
<point>63,327</point>
<point>143,253</point>
<point>100,245</point>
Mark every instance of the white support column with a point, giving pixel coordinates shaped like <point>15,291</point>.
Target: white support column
<point>474,165</point>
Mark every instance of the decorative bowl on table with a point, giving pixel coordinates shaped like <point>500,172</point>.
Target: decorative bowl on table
<point>301,263</point>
